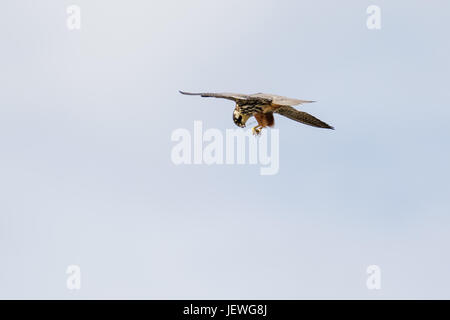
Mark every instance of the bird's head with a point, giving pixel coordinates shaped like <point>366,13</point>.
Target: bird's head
<point>239,119</point>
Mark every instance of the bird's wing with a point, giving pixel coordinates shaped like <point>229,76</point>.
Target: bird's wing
<point>302,117</point>
<point>280,100</point>
<point>224,95</point>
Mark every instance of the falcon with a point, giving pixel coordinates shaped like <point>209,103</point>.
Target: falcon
<point>262,106</point>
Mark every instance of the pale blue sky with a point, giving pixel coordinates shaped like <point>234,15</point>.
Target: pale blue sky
<point>86,176</point>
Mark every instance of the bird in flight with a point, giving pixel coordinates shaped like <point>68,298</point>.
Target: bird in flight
<point>262,106</point>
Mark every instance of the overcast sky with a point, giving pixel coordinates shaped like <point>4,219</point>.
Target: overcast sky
<point>86,176</point>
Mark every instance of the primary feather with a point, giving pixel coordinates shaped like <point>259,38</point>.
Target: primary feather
<point>303,117</point>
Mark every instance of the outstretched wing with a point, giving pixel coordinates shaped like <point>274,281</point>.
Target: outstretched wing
<point>279,100</point>
<point>258,98</point>
<point>224,95</point>
<point>302,117</point>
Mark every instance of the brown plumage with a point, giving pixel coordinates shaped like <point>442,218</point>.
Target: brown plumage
<point>265,119</point>
<point>262,106</point>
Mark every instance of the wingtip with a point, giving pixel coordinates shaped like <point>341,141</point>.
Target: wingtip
<point>326,126</point>
<point>189,93</point>
<point>306,101</point>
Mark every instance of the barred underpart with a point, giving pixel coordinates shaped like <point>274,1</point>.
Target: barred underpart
<point>250,109</point>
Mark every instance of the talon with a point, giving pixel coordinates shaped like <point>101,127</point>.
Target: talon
<point>256,130</point>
